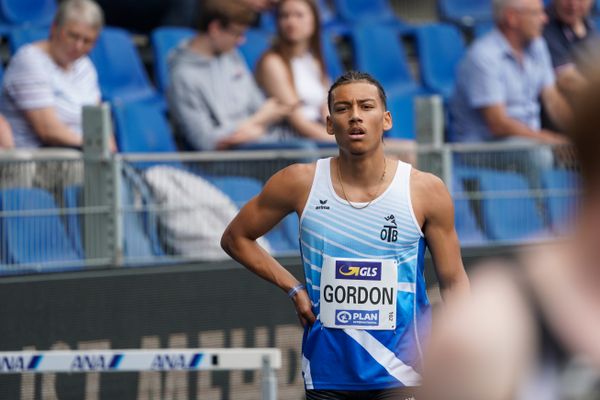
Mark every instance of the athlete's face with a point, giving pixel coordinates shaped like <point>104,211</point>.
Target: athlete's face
<point>358,117</point>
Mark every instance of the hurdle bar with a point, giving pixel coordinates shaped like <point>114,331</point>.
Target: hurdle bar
<point>128,360</point>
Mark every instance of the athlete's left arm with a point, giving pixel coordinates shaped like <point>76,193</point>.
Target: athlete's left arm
<point>435,211</point>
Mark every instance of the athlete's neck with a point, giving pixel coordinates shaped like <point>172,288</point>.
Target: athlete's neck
<point>362,171</point>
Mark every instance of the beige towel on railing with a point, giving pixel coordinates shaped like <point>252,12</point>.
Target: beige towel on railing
<point>194,213</point>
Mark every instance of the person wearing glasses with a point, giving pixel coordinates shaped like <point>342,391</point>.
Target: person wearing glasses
<point>213,98</point>
<point>47,83</point>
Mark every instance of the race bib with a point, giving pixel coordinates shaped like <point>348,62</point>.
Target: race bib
<point>358,293</point>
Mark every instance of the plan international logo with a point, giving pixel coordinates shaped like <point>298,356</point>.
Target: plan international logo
<point>357,317</point>
<point>358,270</point>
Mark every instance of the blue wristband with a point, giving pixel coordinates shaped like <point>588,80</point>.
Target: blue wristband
<point>293,291</point>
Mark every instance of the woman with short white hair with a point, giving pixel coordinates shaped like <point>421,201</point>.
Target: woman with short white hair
<point>47,83</point>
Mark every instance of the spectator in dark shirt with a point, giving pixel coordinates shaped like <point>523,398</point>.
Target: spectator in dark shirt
<point>570,35</point>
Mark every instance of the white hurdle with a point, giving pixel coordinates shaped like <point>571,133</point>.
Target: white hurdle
<point>265,359</point>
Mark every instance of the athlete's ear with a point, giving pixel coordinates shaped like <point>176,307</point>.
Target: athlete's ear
<point>387,121</point>
<point>329,125</point>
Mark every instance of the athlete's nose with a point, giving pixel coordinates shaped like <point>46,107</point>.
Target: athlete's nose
<point>355,116</point>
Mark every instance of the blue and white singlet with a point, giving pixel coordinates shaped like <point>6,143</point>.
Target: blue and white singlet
<point>355,260</point>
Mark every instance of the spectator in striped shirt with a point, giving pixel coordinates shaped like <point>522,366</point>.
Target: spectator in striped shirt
<point>47,83</point>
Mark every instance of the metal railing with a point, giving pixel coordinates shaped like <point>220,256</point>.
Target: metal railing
<point>61,210</point>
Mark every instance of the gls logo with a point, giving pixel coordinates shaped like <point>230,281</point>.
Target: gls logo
<point>389,233</point>
<point>322,206</point>
<point>358,270</point>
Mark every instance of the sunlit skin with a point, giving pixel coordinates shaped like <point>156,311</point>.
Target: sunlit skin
<point>296,22</point>
<point>358,119</point>
<point>71,41</point>
<point>531,19</point>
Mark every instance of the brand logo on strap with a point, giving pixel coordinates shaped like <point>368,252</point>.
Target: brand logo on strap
<point>322,205</point>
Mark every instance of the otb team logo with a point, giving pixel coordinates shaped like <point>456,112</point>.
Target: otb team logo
<point>357,317</point>
<point>358,270</point>
<point>389,233</point>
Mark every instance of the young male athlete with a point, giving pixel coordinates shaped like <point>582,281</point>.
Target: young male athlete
<point>364,223</point>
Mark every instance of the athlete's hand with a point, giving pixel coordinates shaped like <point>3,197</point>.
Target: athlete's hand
<point>303,308</point>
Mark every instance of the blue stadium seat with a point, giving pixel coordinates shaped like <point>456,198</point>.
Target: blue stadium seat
<point>379,51</point>
<point>508,209</point>
<point>72,199</point>
<point>16,14</point>
<point>482,27</point>
<point>562,199</point>
<point>22,36</point>
<point>402,109</point>
<point>120,70</point>
<point>163,40</point>
<point>367,11</point>
<point>28,12</point>
<point>257,42</point>
<point>440,48</point>
<point>240,190</point>
<point>267,22</point>
<point>465,12</point>
<point>34,240</point>
<point>136,186</point>
<point>142,127</point>
<point>327,14</point>
<point>333,64</point>
<point>468,230</point>
<point>328,17</point>
<point>138,244</point>
<point>140,229</point>
<point>596,19</point>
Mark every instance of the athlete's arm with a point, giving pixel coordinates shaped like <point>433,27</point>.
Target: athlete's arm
<point>285,192</point>
<point>434,205</point>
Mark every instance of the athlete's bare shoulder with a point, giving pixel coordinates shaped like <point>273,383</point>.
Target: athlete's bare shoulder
<point>295,176</point>
<point>292,184</point>
<point>428,194</point>
<point>424,182</point>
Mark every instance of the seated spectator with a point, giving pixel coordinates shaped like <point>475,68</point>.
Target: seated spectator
<point>293,70</point>
<point>6,136</point>
<point>214,101</point>
<point>503,77</point>
<point>47,83</point>
<point>540,341</point>
<point>569,35</point>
